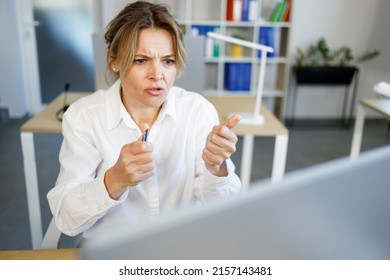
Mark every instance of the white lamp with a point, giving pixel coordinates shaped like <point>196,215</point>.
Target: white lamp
<point>254,118</point>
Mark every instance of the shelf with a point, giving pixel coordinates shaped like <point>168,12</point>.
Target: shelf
<point>267,93</point>
<point>270,60</point>
<point>229,59</point>
<point>201,13</point>
<point>246,24</point>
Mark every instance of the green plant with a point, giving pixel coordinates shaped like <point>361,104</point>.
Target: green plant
<point>319,54</point>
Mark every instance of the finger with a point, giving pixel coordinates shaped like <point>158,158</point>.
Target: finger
<point>140,175</point>
<point>138,147</point>
<point>223,141</point>
<point>136,173</point>
<point>232,121</point>
<point>141,159</point>
<point>222,132</point>
<point>144,168</point>
<point>212,159</point>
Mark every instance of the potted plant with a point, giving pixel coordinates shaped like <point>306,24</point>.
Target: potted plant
<point>321,65</point>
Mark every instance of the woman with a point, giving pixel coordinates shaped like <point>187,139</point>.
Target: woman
<point>112,176</point>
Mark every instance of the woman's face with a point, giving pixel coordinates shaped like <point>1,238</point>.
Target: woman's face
<point>149,79</point>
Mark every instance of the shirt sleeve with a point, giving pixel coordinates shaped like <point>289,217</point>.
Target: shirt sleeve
<point>208,186</point>
<point>79,197</point>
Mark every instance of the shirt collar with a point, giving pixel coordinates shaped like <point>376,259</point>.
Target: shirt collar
<point>169,106</point>
<point>116,111</point>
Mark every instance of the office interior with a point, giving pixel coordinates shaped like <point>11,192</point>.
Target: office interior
<point>27,87</point>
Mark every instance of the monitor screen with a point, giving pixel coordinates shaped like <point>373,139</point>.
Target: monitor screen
<point>335,210</point>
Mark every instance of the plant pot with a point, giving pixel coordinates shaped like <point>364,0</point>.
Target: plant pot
<point>327,75</point>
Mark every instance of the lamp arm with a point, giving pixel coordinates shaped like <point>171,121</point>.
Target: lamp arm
<point>240,42</point>
<point>256,118</point>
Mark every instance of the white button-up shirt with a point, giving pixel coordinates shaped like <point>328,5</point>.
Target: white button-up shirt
<point>96,127</point>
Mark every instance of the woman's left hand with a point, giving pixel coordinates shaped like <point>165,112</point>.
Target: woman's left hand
<point>220,145</point>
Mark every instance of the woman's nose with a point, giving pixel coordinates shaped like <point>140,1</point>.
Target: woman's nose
<point>156,72</point>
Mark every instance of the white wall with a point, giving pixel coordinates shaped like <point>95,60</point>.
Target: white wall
<point>360,24</point>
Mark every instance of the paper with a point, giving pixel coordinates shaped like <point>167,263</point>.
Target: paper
<point>383,89</point>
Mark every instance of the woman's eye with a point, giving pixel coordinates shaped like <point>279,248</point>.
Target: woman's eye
<point>139,61</point>
<point>169,61</point>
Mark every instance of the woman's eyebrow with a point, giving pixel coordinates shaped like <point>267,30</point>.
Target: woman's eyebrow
<point>147,56</point>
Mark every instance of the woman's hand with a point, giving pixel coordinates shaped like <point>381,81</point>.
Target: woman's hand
<point>220,145</point>
<point>134,165</point>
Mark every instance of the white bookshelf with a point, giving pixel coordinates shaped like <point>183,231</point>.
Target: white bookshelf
<point>213,13</point>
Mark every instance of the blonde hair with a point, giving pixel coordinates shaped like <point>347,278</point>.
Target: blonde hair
<point>122,35</point>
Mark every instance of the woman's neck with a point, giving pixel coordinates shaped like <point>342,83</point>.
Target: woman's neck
<point>143,116</point>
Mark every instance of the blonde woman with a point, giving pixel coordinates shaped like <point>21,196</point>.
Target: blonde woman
<point>143,147</point>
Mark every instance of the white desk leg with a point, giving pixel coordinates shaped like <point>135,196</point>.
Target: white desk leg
<point>280,155</point>
<point>357,132</point>
<point>30,172</point>
<point>246,160</point>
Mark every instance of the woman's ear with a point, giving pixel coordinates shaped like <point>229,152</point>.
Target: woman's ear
<point>113,64</point>
<point>114,67</point>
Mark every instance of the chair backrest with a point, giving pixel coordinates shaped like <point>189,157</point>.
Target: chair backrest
<point>52,237</point>
<point>55,239</point>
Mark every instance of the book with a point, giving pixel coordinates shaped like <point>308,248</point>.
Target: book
<point>253,10</point>
<point>211,47</point>
<point>286,12</point>
<point>282,11</point>
<point>237,76</point>
<point>267,38</point>
<point>277,11</point>
<point>234,10</point>
<point>237,10</point>
<point>245,10</point>
<point>229,10</point>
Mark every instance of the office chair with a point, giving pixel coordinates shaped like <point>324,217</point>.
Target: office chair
<point>55,239</point>
<point>52,236</point>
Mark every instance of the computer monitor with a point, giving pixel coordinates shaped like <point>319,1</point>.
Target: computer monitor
<point>335,210</point>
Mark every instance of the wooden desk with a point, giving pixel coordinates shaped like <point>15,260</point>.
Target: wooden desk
<point>381,106</point>
<point>57,254</point>
<point>46,122</point>
<point>272,127</point>
<point>43,122</point>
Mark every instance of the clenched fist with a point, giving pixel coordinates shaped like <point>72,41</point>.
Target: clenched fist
<point>134,165</point>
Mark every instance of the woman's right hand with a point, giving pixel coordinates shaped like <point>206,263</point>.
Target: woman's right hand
<point>134,165</point>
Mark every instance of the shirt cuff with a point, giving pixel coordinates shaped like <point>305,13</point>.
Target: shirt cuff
<point>104,196</point>
<point>219,182</point>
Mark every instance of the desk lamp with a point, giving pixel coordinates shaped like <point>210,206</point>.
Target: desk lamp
<point>254,118</point>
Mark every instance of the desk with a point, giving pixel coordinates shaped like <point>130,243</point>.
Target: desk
<point>43,122</point>
<point>272,127</point>
<point>46,122</point>
<point>57,254</point>
<point>381,106</point>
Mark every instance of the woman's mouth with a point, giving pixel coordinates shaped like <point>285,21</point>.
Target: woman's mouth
<point>155,91</point>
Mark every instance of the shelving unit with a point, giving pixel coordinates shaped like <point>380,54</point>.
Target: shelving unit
<point>205,13</point>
